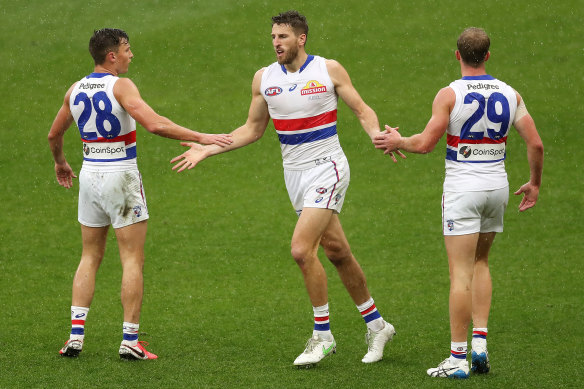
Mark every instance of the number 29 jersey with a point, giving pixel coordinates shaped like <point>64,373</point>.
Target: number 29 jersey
<point>477,134</point>
<point>108,132</point>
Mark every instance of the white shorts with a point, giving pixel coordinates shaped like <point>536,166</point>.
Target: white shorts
<point>471,212</point>
<point>115,198</point>
<point>323,186</point>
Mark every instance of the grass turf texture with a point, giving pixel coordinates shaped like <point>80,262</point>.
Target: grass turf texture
<point>224,303</point>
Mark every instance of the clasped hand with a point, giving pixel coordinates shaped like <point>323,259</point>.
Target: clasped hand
<point>388,141</point>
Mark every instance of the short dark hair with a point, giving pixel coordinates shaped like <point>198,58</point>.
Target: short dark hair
<point>294,20</point>
<point>105,40</point>
<point>473,45</point>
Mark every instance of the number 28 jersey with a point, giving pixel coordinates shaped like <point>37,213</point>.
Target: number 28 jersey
<point>477,134</point>
<point>108,132</point>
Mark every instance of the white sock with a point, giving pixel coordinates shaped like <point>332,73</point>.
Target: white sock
<point>458,352</point>
<point>371,315</point>
<point>322,325</point>
<point>131,333</point>
<point>78,317</point>
<point>479,338</point>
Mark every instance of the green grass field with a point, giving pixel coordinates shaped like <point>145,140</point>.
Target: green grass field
<point>224,303</point>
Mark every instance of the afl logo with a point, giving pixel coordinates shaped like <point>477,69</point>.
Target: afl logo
<point>273,91</point>
<point>465,151</point>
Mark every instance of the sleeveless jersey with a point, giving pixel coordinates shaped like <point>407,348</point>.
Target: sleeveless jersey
<point>108,132</point>
<point>303,107</point>
<point>477,134</point>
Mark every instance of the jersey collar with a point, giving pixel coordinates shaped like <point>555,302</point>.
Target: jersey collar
<point>308,60</point>
<point>98,75</point>
<point>482,77</point>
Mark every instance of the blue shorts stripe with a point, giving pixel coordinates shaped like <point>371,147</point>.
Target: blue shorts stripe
<point>295,139</point>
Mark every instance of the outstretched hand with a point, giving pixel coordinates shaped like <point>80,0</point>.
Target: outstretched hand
<point>389,142</point>
<point>217,139</point>
<point>190,158</point>
<point>530,194</point>
<point>65,175</point>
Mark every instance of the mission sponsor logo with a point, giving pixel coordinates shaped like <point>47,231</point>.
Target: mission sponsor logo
<point>104,151</point>
<point>312,87</point>
<point>273,91</point>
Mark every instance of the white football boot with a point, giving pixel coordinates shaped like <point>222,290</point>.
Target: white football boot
<point>316,349</point>
<point>447,369</point>
<point>376,341</point>
<point>72,348</point>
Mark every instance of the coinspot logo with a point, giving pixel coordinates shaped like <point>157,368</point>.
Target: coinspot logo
<point>465,151</point>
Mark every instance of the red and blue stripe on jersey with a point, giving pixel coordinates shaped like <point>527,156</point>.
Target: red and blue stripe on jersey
<point>128,139</point>
<point>453,141</point>
<point>305,130</point>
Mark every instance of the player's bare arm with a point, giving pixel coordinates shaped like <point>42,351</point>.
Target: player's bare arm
<point>347,92</point>
<point>253,129</point>
<point>425,141</point>
<point>62,122</point>
<point>525,126</point>
<point>129,97</point>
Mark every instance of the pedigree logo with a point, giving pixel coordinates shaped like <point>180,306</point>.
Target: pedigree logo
<point>312,87</point>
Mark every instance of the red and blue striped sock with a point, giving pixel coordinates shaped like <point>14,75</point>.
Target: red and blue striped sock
<point>322,326</point>
<point>371,315</point>
<point>458,352</point>
<point>78,317</point>
<point>479,337</point>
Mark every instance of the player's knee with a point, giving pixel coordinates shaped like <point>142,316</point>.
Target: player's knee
<point>337,252</point>
<point>460,282</point>
<point>300,253</point>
